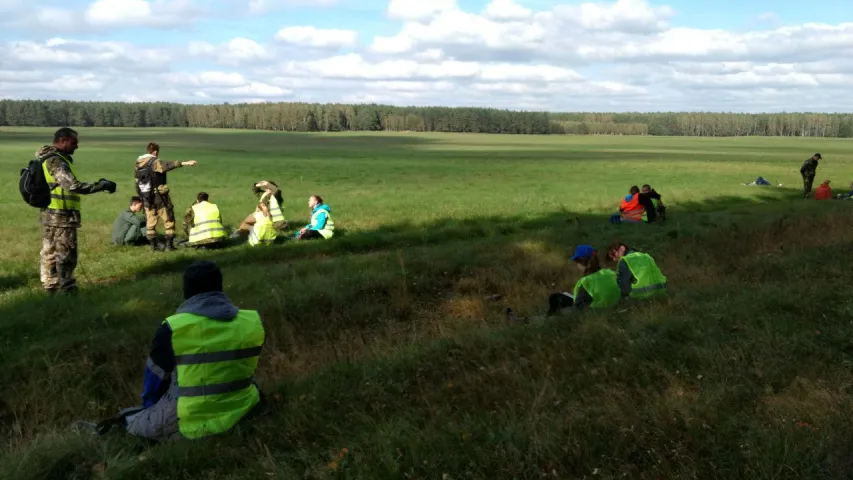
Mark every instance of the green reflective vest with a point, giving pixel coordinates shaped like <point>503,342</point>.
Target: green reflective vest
<point>275,210</point>
<point>263,231</point>
<point>328,229</point>
<point>601,286</point>
<point>215,367</point>
<point>648,279</point>
<point>61,199</point>
<point>206,223</point>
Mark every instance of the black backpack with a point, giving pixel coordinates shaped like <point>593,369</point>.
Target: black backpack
<point>146,182</point>
<point>33,185</point>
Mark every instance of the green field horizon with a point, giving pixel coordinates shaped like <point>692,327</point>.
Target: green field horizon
<point>388,352</point>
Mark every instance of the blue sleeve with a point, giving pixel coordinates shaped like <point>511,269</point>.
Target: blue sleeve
<point>159,367</point>
<point>321,221</point>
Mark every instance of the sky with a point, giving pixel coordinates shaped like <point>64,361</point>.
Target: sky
<point>621,55</point>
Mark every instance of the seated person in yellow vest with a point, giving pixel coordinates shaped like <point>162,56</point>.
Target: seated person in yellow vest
<point>322,225</point>
<point>129,229</point>
<point>270,195</point>
<point>199,376</point>
<point>262,231</point>
<point>203,224</point>
<point>597,287</point>
<point>638,276</point>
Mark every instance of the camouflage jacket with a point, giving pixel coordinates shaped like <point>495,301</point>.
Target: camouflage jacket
<point>59,170</point>
<point>809,168</point>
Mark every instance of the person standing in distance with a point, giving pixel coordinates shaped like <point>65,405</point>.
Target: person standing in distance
<point>808,171</point>
<point>150,175</point>
<point>62,217</point>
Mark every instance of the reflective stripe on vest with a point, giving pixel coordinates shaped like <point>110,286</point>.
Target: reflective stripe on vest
<point>61,199</point>
<point>329,228</point>
<point>206,224</point>
<point>601,286</point>
<point>262,232</point>
<point>275,210</point>
<point>648,279</point>
<point>215,365</point>
<point>632,210</point>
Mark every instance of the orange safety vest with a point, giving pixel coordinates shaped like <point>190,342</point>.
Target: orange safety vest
<point>632,210</point>
<point>823,192</point>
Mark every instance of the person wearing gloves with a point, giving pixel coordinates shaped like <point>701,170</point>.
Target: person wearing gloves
<point>62,217</point>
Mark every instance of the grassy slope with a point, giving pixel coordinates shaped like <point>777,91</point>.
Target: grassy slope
<point>744,373</point>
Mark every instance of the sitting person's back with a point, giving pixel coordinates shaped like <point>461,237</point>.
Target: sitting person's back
<point>199,378</point>
<point>128,228</point>
<point>823,192</point>
<point>631,209</point>
<point>203,223</point>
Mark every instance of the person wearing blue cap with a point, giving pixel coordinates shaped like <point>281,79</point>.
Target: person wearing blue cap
<point>597,288</point>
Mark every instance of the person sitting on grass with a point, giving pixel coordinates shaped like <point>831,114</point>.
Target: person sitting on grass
<point>637,274</point>
<point>270,195</point>
<point>203,224</point>
<point>128,228</point>
<point>199,376</point>
<point>651,199</point>
<point>322,225</point>
<point>596,288</point>
<point>846,196</point>
<point>823,192</point>
<point>631,210</point>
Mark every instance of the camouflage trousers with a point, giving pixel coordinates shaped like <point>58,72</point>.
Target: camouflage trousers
<point>808,180</point>
<point>59,258</point>
<point>153,217</point>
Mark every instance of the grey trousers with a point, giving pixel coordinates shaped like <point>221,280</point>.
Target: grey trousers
<point>159,421</point>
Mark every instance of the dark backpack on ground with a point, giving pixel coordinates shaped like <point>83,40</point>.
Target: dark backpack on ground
<point>33,185</point>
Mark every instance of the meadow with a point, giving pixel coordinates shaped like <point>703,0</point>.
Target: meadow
<point>388,352</point>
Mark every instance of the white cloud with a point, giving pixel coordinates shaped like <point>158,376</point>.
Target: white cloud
<point>583,55</point>
<point>317,37</point>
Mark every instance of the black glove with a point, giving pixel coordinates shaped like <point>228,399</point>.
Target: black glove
<point>107,185</point>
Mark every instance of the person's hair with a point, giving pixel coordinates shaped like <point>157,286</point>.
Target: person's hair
<point>318,198</point>
<point>63,133</point>
<point>635,189</point>
<point>202,196</point>
<point>616,245</point>
<point>135,200</point>
<point>591,264</point>
<point>647,186</point>
<point>152,147</point>
<point>202,277</point>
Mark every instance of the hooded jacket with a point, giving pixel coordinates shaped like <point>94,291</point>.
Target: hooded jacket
<point>159,167</point>
<point>58,166</point>
<point>160,365</point>
<point>322,212</point>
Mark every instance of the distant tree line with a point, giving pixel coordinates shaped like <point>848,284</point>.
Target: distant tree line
<point>313,117</point>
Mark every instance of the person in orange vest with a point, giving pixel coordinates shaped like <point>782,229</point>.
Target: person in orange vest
<point>631,210</point>
<point>823,192</point>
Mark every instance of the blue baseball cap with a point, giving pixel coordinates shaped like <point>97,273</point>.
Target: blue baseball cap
<point>583,251</point>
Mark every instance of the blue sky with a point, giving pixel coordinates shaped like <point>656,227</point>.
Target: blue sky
<point>530,54</point>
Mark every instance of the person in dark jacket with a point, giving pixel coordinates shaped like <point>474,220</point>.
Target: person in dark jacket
<point>808,171</point>
<point>129,229</point>
<point>651,199</point>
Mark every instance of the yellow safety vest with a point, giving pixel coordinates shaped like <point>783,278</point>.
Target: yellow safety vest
<point>601,286</point>
<point>328,229</point>
<point>206,223</point>
<point>61,199</point>
<point>263,232</point>
<point>275,208</point>
<point>215,364</point>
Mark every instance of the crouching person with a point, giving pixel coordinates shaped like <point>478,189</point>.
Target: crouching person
<point>596,288</point>
<point>637,274</point>
<point>199,377</point>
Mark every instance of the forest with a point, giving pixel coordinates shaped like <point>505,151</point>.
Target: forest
<point>316,117</point>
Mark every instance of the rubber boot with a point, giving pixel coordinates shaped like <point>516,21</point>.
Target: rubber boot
<point>155,244</point>
<point>170,243</point>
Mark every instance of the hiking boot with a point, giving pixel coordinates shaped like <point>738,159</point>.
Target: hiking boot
<point>155,244</point>
<point>170,244</point>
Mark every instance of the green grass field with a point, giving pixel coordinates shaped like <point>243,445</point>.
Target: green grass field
<point>384,341</point>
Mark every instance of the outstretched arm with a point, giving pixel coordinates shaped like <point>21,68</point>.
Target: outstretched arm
<point>162,166</point>
<point>61,173</point>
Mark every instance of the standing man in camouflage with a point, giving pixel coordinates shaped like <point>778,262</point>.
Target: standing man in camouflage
<point>62,218</point>
<point>808,171</point>
<point>151,185</point>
